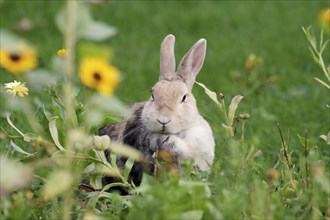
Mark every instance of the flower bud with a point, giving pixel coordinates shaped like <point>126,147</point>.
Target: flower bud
<point>244,116</point>
<point>101,143</point>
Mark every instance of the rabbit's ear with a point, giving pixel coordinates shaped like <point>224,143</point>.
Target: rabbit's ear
<point>167,59</point>
<point>192,63</point>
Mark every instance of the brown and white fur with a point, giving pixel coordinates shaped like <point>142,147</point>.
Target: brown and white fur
<point>169,120</point>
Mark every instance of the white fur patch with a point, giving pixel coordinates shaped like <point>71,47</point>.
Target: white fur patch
<point>197,144</point>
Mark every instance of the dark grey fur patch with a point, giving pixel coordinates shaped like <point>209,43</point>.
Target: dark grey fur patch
<point>112,130</point>
<point>131,132</point>
<point>137,135</point>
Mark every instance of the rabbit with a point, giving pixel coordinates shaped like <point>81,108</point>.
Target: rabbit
<point>169,120</point>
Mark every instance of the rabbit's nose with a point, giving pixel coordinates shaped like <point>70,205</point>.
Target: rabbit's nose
<point>163,120</point>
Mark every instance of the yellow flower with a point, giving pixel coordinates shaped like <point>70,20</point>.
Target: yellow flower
<point>19,59</point>
<point>62,53</point>
<point>96,73</point>
<point>325,16</point>
<point>16,88</point>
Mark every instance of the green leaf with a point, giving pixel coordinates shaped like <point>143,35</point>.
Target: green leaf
<point>89,168</point>
<point>250,154</point>
<point>8,39</point>
<point>13,176</point>
<point>98,105</point>
<point>109,104</point>
<point>47,114</point>
<point>315,58</point>
<point>313,41</point>
<point>101,157</point>
<point>58,183</point>
<point>82,19</point>
<point>106,170</point>
<point>305,31</point>
<point>303,142</point>
<point>58,66</point>
<point>54,133</point>
<point>232,109</point>
<point>26,137</point>
<point>13,126</point>
<point>310,36</point>
<point>326,138</point>
<point>324,46</point>
<point>18,149</point>
<point>39,78</point>
<point>96,181</point>
<point>113,159</point>
<point>128,167</point>
<point>98,31</point>
<point>13,103</point>
<point>93,117</point>
<point>93,198</point>
<point>229,130</point>
<point>211,94</point>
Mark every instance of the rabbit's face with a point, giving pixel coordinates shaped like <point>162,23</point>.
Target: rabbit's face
<point>171,109</point>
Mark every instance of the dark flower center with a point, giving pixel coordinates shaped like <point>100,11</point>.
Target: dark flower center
<point>15,57</point>
<point>97,76</point>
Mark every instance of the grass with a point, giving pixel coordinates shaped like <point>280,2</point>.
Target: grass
<point>234,30</point>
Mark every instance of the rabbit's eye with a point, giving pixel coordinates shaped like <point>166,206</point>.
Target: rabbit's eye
<point>152,95</point>
<point>184,98</point>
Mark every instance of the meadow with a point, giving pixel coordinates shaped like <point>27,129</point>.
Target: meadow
<point>275,166</point>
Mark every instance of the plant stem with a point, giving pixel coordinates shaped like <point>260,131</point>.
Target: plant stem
<point>324,69</point>
<point>284,147</point>
<point>305,154</point>
<point>222,101</point>
<point>69,108</point>
<point>69,43</point>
